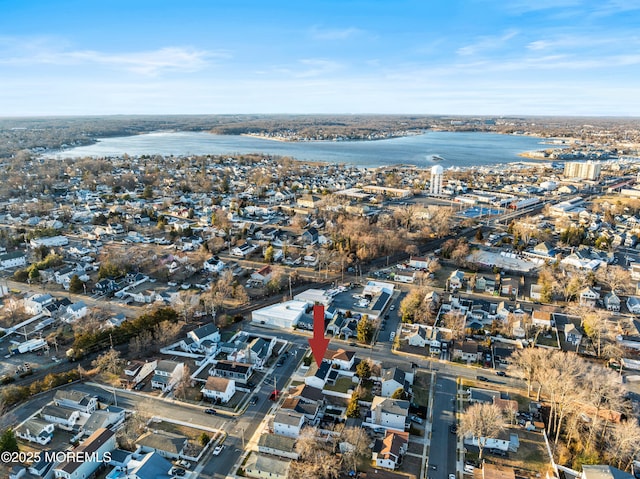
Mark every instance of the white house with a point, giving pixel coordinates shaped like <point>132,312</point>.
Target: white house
<point>340,358</point>
<point>266,467</point>
<point>633,304</point>
<point>213,265</point>
<point>288,424</point>
<point>263,275</point>
<point>167,375</point>
<point>136,371</point>
<point>35,430</point>
<point>93,449</point>
<point>36,303</point>
<point>13,259</point>
<point>456,279</point>
<point>394,379</point>
<point>388,413</point>
<point>74,312</point>
<point>203,339</point>
<point>388,452</point>
<point>217,388</point>
<point>71,398</point>
<point>612,302</point>
<point>588,297</point>
<point>404,276</point>
<point>503,442</point>
<point>417,336</point>
<point>572,334</point>
<point>65,417</point>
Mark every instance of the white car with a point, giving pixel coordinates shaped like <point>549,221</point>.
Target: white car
<point>392,335</point>
<point>218,449</point>
<point>452,476</point>
<point>183,463</point>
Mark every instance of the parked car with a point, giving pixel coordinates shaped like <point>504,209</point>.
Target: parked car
<point>178,471</point>
<point>416,419</point>
<point>452,476</point>
<point>139,386</point>
<point>501,373</point>
<point>453,429</point>
<point>468,468</point>
<point>392,335</point>
<point>483,379</point>
<point>211,411</point>
<point>393,306</point>
<point>183,463</point>
<point>254,400</point>
<point>251,384</point>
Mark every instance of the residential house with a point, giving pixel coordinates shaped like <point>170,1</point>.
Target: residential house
<point>35,430</point>
<point>244,250</point>
<point>503,442</point>
<point>310,410</point>
<point>75,312</point>
<point>167,375</point>
<point>588,297</point>
<point>263,275</point>
<point>417,336</point>
<point>502,352</point>
<point>136,371</point>
<point>277,445</point>
<point>509,287</point>
<point>388,452</point>
<point>213,265</point>
<point>419,262</point>
<point>404,276</point>
<point>239,372</point>
<point>89,456</point>
<point>221,389</point>
<point>167,444</point>
<point>103,418</point>
<point>288,424</point>
<point>535,293</point>
<point>36,303</point>
<point>13,259</point>
<point>612,302</point>
<point>599,471</point>
<point>151,466</point>
<point>456,280</point>
<point>485,284</point>
<point>467,350</point>
<point>76,400</point>
<point>541,318</point>
<point>64,417</point>
<point>572,335</point>
<point>394,379</point>
<point>265,467</point>
<point>633,304</point>
<point>203,339</point>
<point>259,350</point>
<point>388,413</point>
<point>340,358</point>
<point>319,378</point>
<point>310,236</point>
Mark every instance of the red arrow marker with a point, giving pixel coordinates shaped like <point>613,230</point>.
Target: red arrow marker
<point>319,343</point>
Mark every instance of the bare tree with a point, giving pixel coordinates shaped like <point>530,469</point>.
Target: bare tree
<point>354,445</point>
<point>623,443</point>
<point>109,362</point>
<point>616,277</point>
<point>482,421</point>
<point>317,458</point>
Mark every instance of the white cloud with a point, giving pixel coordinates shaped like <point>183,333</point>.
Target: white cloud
<point>319,33</point>
<point>487,43</point>
<point>53,51</point>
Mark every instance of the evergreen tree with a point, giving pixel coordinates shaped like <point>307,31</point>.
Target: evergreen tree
<point>8,441</point>
<point>75,285</point>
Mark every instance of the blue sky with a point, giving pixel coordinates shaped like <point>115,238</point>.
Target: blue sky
<point>503,57</point>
